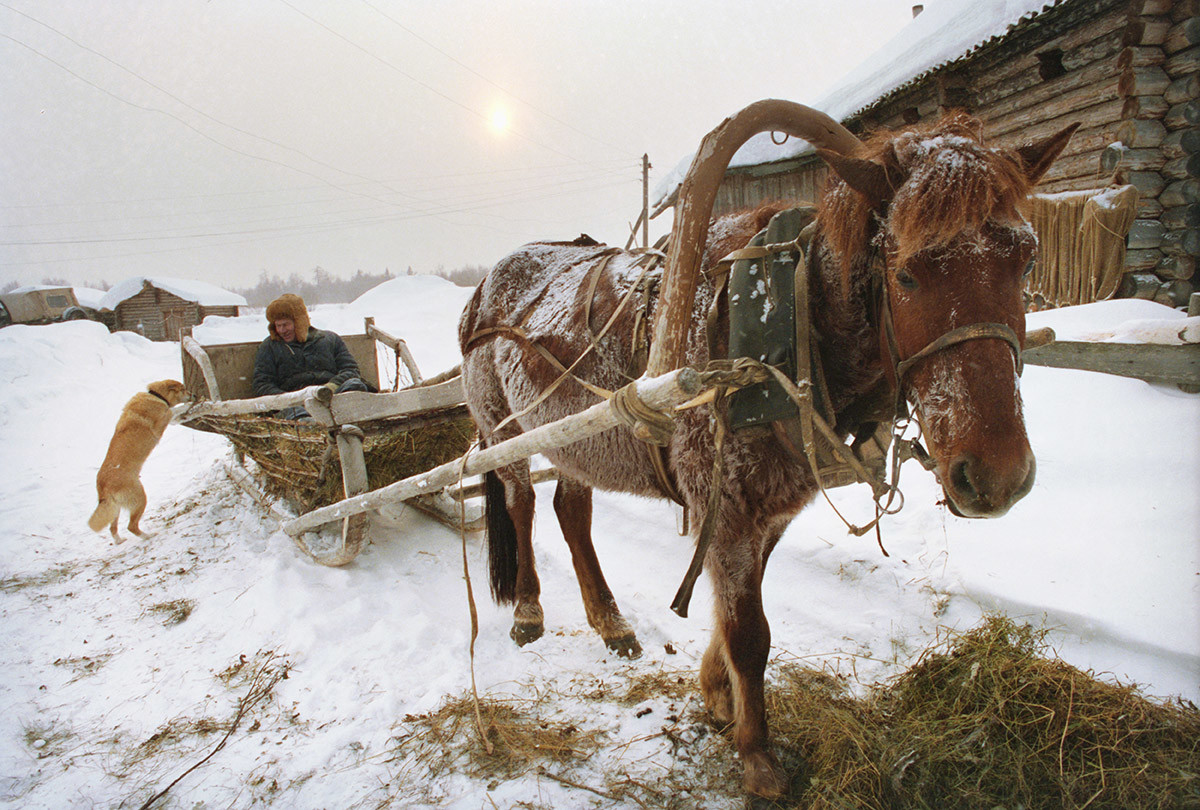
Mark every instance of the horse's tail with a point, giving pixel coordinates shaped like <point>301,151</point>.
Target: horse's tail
<point>502,541</point>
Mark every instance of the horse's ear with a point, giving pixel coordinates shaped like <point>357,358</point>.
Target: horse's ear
<point>1039,155</point>
<point>877,182</point>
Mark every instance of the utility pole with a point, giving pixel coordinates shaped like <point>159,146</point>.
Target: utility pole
<point>645,200</point>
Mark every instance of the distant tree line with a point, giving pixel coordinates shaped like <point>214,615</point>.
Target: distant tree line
<point>322,288</point>
<point>468,276</point>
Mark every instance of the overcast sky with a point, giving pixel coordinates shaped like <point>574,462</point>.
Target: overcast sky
<point>217,139</point>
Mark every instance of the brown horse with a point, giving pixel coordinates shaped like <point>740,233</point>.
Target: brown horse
<point>920,229</point>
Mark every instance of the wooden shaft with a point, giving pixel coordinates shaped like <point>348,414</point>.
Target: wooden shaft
<point>659,393</point>
<point>696,197</point>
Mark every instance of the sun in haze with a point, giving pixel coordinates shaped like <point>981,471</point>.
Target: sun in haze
<point>499,121</point>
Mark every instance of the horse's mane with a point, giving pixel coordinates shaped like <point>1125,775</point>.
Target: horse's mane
<point>953,184</point>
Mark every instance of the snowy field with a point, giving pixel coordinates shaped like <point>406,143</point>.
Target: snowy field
<point>123,666</point>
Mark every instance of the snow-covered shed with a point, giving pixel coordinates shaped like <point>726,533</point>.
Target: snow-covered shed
<point>1128,70</point>
<point>159,307</point>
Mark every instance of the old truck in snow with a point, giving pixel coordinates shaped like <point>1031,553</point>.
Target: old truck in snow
<point>38,305</point>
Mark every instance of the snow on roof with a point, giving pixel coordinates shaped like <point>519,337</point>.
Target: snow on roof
<point>89,296</point>
<point>203,293</point>
<point>24,288</point>
<point>944,33</point>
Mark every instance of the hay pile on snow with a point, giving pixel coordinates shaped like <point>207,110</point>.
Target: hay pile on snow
<point>985,720</point>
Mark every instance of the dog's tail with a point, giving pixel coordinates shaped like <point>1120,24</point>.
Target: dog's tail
<point>106,512</point>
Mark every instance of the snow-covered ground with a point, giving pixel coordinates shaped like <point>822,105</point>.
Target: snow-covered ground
<point>122,666</point>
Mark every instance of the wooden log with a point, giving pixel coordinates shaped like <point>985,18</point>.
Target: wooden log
<point>659,393</point>
<point>1143,81</point>
<point>1074,107</point>
<point>1140,56</point>
<point>1183,34</point>
<point>1137,134</point>
<point>1139,285</point>
<point>1182,63</point>
<point>1148,184</point>
<point>1149,8</point>
<point>1184,241</point>
<point>1182,168</point>
<point>1148,208</point>
<point>1185,88</point>
<point>1181,142</point>
<point>1182,9</point>
<point>1181,216</point>
<point>1150,362</point>
<point>1183,115</point>
<point>1181,192</point>
<point>1144,107</point>
<point>1145,233</point>
<point>1175,293</point>
<point>1119,157</point>
<point>1146,30</point>
<point>1176,267</point>
<point>1142,259</point>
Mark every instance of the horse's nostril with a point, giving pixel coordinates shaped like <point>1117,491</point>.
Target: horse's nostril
<point>960,479</point>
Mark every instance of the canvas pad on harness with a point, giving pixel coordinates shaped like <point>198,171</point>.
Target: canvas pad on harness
<point>765,324</point>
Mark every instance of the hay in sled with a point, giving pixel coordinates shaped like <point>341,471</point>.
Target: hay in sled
<point>298,461</point>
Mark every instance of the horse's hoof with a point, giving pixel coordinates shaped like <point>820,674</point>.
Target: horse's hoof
<point>525,632</point>
<point>764,777</point>
<point>625,646</point>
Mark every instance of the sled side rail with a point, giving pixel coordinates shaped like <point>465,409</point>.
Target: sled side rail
<point>350,407</point>
<point>395,344</point>
<point>659,393</point>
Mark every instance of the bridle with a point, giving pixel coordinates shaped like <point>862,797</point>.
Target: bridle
<point>898,367</point>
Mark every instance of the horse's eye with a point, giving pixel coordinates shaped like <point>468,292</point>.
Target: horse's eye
<point>1029,266</point>
<point>906,280</point>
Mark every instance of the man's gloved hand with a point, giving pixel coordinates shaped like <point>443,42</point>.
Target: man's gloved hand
<point>332,386</point>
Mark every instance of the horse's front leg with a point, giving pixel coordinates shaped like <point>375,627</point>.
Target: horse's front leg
<point>731,674</point>
<point>573,505</point>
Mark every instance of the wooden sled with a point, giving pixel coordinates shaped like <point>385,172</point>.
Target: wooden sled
<point>356,442</point>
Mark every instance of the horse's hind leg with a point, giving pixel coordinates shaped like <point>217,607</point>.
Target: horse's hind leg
<point>573,505</point>
<point>518,585</point>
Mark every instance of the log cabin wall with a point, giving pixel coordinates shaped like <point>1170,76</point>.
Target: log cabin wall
<point>1128,70</point>
<point>160,315</point>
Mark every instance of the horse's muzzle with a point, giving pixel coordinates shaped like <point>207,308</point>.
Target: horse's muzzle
<point>976,489</point>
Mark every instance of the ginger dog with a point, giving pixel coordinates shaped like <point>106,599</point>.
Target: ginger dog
<point>118,483</point>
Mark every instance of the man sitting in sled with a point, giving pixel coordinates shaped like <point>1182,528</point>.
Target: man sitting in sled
<point>297,355</point>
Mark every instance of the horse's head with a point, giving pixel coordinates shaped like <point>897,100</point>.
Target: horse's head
<point>935,216</point>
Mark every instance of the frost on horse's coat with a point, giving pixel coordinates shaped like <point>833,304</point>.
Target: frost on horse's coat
<point>928,222</point>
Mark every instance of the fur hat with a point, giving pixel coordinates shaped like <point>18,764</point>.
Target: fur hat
<point>288,306</point>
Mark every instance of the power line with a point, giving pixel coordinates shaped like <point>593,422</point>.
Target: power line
<point>179,100</point>
<point>476,205</point>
